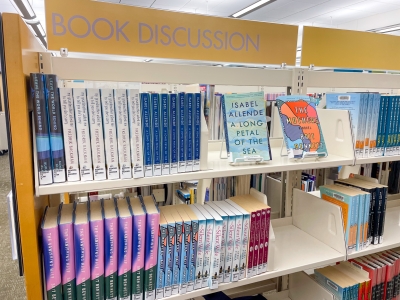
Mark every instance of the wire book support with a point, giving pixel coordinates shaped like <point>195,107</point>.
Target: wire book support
<point>306,155</point>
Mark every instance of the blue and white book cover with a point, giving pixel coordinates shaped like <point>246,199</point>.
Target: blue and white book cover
<point>147,134</point>
<point>156,130</point>
<point>196,131</point>
<point>380,140</point>
<point>174,144</point>
<point>165,137</point>
<point>181,134</point>
<point>389,125</point>
<point>189,131</point>
<point>245,125</point>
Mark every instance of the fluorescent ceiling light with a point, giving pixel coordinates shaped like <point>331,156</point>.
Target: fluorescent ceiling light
<point>24,8</point>
<point>147,60</point>
<point>389,29</point>
<point>251,8</point>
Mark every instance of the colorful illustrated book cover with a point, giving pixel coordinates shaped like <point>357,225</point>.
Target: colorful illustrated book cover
<point>300,124</point>
<point>245,125</point>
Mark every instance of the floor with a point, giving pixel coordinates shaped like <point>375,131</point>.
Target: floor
<point>11,284</point>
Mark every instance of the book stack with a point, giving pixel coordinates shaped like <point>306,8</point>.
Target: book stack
<point>113,133</point>
<point>375,121</point>
<point>363,205</point>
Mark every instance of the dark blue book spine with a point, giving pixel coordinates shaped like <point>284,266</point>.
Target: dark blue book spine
<point>56,133</point>
<point>174,133</point>
<point>181,132</point>
<point>156,122</point>
<point>225,124</point>
<point>197,131</point>
<point>146,134</point>
<point>165,134</point>
<point>40,114</point>
<point>189,132</point>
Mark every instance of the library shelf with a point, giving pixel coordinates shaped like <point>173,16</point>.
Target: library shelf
<point>371,160</point>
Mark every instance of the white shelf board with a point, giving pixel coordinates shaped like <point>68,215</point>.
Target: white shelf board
<point>391,235</point>
<point>297,251</point>
<point>371,160</point>
<point>217,168</point>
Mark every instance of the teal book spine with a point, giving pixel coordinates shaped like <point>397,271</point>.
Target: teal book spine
<point>380,139</point>
<point>388,125</point>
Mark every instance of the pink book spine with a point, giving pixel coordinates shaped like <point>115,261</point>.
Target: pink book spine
<point>261,249</point>
<point>267,220</point>
<point>257,242</point>
<point>253,229</point>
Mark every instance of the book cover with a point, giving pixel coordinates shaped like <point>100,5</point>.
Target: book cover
<point>245,125</point>
<point>51,253</point>
<point>124,148</point>
<point>156,132</point>
<point>161,260</point>
<point>135,128</point>
<point>197,113</point>
<point>182,143</point>
<point>174,147</point>
<point>68,126</point>
<point>40,115</point>
<point>169,257</point>
<point>110,133</point>
<point>138,248</point>
<point>83,134</point>
<point>165,136</point>
<point>301,127</point>
<point>97,247</point>
<point>145,104</point>
<point>96,134</point>
<point>56,134</point>
<point>111,249</point>
<point>82,251</point>
<point>189,99</point>
<point>125,239</point>
<point>67,251</point>
<point>150,260</point>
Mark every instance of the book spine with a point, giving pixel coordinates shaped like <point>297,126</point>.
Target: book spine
<point>257,240</point>
<point>187,254</point>
<point>367,203</point>
<point>363,103</point>
<point>370,109</point>
<point>360,229</point>
<point>267,224</point>
<point>169,265</point>
<point>395,126</point>
<point>230,243</point>
<point>193,252</point>
<point>40,114</point>
<point>70,144</point>
<point>208,252</point>
<point>174,133</point>
<point>223,254</point>
<point>398,127</point>
<point>383,194</point>
<point>359,112</point>
<point>354,223</point>
<point>162,252</point>
<point>377,214</point>
<point>189,131</point>
<point>374,126</point>
<point>244,251</point>
<point>147,135</point>
<point>389,123</point>
<point>56,135</point>
<point>184,262</point>
<point>97,259</point>
<point>332,287</point>
<point>124,258</point>
<point>200,240</point>
<point>177,258</point>
<point>83,135</point>
<point>135,118</point>
<point>67,261</point>
<point>111,258</point>
<point>197,113</point>
<point>251,245</point>
<point>96,134</point>
<point>166,155</point>
<point>138,252</point>
<point>82,261</point>
<point>263,237</point>
<point>237,248</point>
<point>150,264</point>
<point>156,131</point>
<point>225,125</point>
<point>124,149</point>
<point>381,128</point>
<point>215,256</point>
<point>110,133</point>
<point>51,254</point>
<point>181,133</point>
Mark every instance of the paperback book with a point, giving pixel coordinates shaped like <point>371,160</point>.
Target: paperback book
<point>301,128</point>
<point>245,127</point>
<point>145,104</point>
<point>174,133</point>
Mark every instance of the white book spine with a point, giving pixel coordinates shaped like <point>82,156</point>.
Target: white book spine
<point>215,256</point>
<point>237,248</point>
<point>230,240</point>
<point>110,133</point>
<point>124,148</point>
<point>69,132</point>
<point>83,135</point>
<point>136,132</point>
<point>96,134</point>
<point>200,254</point>
<point>208,252</point>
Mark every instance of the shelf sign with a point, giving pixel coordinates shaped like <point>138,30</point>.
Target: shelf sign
<point>326,47</point>
<point>117,29</point>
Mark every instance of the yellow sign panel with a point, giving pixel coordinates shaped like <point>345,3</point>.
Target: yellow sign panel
<point>350,49</point>
<point>107,28</point>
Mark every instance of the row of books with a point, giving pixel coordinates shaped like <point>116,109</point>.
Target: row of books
<point>113,133</point>
<point>227,187</point>
<point>363,205</point>
<point>129,247</point>
<point>308,182</point>
<point>375,276</point>
<point>375,121</point>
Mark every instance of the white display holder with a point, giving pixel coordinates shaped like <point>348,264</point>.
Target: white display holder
<point>302,287</point>
<point>314,154</point>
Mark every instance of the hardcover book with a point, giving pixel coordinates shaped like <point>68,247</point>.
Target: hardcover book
<point>165,136</point>
<point>41,129</point>
<point>174,133</point>
<point>189,99</point>
<point>245,126</point>
<point>156,132</point>
<point>145,104</point>
<point>56,135</point>
<point>182,143</point>
<point>68,124</point>
<point>197,113</point>
<point>300,125</point>
<point>96,134</point>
